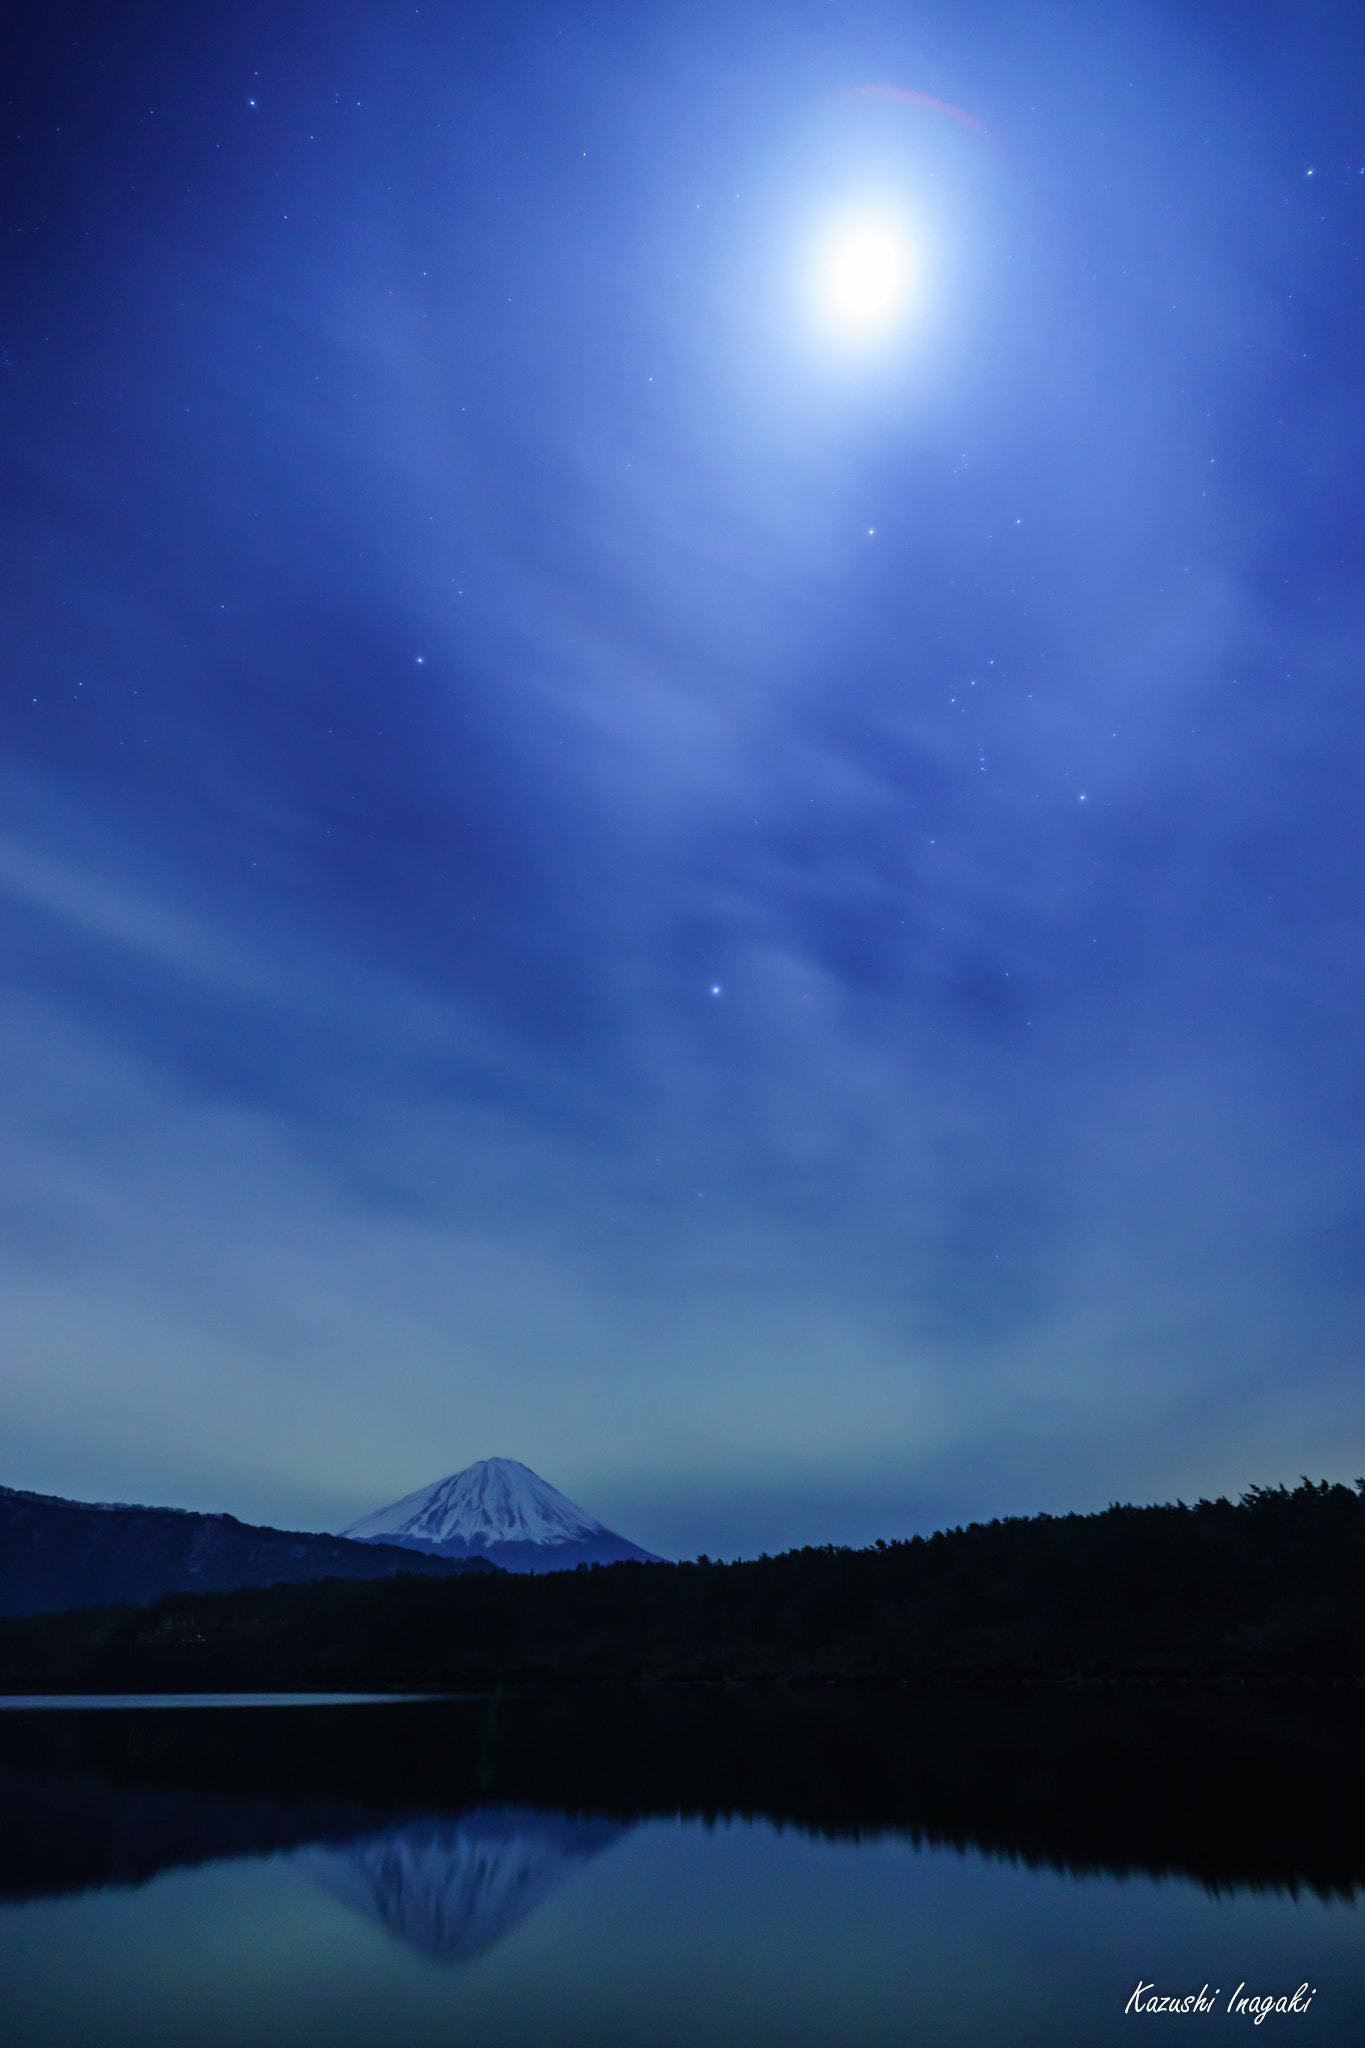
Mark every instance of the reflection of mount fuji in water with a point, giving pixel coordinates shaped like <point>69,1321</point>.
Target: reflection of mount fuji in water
<point>1228,1788</point>
<point>452,1889</point>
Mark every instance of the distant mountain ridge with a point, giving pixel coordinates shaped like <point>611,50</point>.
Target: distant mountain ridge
<point>57,1554</point>
<point>500,1510</point>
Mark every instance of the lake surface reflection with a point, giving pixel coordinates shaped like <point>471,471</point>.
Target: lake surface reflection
<point>454,1889</point>
<point>718,1865</point>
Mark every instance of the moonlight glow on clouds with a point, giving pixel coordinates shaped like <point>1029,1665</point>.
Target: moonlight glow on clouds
<point>867,275</point>
<point>545,896</point>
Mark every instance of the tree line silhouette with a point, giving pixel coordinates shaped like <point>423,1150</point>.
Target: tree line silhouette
<point>1268,1588</point>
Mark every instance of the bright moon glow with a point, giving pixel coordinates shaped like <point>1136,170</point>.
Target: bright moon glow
<point>864,278</point>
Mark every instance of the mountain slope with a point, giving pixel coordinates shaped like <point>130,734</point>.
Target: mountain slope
<point>500,1510</point>
<point>58,1553</point>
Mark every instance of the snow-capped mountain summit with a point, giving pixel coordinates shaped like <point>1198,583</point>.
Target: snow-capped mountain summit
<point>501,1510</point>
<point>495,1501</point>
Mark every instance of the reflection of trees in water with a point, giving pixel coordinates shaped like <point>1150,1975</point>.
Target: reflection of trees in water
<point>452,1889</point>
<point>1228,1786</point>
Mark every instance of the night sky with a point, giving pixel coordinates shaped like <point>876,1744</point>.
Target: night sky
<point>619,851</point>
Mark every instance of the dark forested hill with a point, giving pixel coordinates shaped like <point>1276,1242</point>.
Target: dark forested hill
<point>68,1553</point>
<point>1271,1587</point>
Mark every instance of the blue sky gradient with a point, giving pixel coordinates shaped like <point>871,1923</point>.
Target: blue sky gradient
<point>594,873</point>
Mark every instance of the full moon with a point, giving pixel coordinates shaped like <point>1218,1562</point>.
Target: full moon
<point>864,277</point>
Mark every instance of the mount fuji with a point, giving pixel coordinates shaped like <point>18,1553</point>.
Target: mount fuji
<point>502,1511</point>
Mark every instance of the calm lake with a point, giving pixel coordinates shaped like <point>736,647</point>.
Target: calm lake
<point>702,1865</point>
